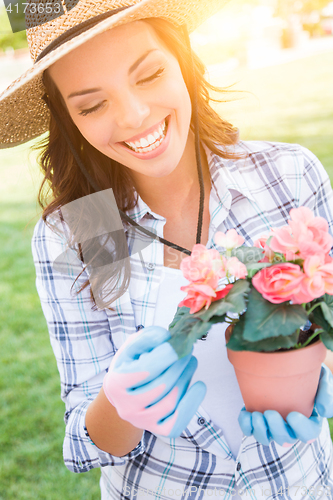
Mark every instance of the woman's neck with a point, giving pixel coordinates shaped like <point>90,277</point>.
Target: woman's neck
<point>169,194</point>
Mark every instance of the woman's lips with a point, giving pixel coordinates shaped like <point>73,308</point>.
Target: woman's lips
<point>148,155</point>
<point>151,130</point>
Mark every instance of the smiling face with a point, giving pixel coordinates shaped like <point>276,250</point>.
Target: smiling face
<point>125,92</point>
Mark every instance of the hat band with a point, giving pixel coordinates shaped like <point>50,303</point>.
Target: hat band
<point>77,30</point>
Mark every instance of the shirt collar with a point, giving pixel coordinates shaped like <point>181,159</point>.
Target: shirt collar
<point>142,213</point>
<point>228,174</point>
<point>226,177</point>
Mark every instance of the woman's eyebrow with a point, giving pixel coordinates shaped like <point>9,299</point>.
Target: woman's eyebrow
<point>132,68</point>
<point>140,60</point>
<point>83,92</point>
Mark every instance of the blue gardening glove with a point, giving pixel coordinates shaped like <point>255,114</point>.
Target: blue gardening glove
<point>148,384</point>
<point>270,426</point>
<point>324,396</point>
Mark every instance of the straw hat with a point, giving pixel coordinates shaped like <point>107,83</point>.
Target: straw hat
<point>23,113</point>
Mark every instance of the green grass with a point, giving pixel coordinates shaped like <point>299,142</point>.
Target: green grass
<point>287,103</point>
<point>31,417</point>
<point>291,103</point>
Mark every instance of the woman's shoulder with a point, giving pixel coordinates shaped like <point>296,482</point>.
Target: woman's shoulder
<point>272,169</point>
<point>256,157</point>
<point>51,228</point>
<point>271,150</point>
<point>267,146</point>
<point>49,238</point>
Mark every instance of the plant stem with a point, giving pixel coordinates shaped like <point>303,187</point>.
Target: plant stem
<point>230,321</point>
<point>313,308</point>
<point>317,332</point>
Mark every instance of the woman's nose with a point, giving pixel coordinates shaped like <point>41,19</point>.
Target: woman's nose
<point>131,111</point>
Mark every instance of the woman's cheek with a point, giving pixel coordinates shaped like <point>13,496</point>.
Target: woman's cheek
<point>176,95</point>
<point>97,133</point>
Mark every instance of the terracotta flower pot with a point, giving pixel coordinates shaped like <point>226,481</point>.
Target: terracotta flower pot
<point>282,381</point>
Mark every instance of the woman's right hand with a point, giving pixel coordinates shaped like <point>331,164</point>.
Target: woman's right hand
<point>147,384</point>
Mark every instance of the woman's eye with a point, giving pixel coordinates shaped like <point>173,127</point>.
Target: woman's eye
<point>152,77</point>
<point>98,106</point>
<point>86,112</point>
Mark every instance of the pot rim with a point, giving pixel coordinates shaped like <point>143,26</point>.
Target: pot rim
<point>284,352</point>
<point>279,364</point>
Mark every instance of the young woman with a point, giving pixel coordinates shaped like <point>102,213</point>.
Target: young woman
<point>129,112</point>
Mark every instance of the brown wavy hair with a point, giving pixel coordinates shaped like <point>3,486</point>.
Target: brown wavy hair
<point>63,180</point>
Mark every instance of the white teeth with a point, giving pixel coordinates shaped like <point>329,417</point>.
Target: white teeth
<point>149,143</point>
<point>151,139</point>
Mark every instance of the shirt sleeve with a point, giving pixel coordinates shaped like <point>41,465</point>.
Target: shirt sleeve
<point>81,339</point>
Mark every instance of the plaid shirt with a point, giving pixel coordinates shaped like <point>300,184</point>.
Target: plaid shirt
<point>252,195</point>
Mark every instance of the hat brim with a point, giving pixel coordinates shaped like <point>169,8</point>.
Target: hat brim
<point>23,113</point>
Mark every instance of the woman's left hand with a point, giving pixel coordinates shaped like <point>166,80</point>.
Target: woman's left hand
<point>270,426</point>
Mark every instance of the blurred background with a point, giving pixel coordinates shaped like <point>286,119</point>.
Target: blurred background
<point>275,57</point>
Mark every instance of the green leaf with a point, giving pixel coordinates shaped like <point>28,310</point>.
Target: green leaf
<point>329,300</point>
<point>252,269</point>
<point>278,258</point>
<point>234,302</point>
<point>327,340</point>
<point>185,333</point>
<point>265,320</point>
<point>218,308</point>
<point>268,241</point>
<point>238,343</point>
<point>238,295</point>
<point>185,330</point>
<point>327,308</point>
<point>317,317</point>
<point>248,255</point>
<point>180,313</point>
<point>280,342</point>
<point>327,312</point>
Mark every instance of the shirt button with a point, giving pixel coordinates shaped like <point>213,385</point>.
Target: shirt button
<point>201,421</point>
<point>150,266</point>
<point>238,466</point>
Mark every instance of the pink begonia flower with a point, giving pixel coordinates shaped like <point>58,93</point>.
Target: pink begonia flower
<point>304,215</point>
<point>317,281</point>
<point>328,259</point>
<point>229,240</point>
<point>200,295</point>
<point>261,243</point>
<point>279,283</point>
<point>284,242</point>
<point>310,232</point>
<point>235,267</point>
<point>304,236</point>
<point>203,265</point>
